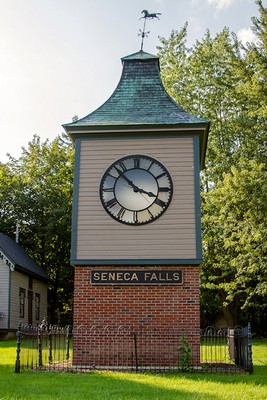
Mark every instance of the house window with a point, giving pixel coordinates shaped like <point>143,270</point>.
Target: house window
<point>37,306</point>
<point>30,283</point>
<point>22,296</point>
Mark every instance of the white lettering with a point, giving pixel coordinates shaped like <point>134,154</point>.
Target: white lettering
<point>176,276</point>
<point>112,276</point>
<point>96,276</point>
<point>104,276</point>
<point>135,277</point>
<point>127,276</point>
<point>154,277</point>
<point>119,276</point>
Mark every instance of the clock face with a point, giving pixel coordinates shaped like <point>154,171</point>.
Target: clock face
<point>136,189</point>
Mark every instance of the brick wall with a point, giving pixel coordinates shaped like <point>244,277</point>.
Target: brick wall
<point>153,305</point>
<point>138,307</point>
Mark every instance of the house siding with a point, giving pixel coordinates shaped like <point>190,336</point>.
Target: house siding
<point>173,236</point>
<point>4,294</point>
<point>20,280</point>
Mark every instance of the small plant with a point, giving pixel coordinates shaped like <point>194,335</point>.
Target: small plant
<point>185,351</point>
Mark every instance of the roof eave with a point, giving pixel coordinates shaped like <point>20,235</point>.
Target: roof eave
<point>112,131</point>
<point>33,274</point>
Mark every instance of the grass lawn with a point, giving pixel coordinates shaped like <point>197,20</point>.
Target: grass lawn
<point>129,386</point>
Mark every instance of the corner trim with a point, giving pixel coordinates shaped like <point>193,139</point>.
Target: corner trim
<point>74,221</point>
<point>197,198</point>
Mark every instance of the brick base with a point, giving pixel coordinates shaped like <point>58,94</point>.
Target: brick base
<point>139,307</point>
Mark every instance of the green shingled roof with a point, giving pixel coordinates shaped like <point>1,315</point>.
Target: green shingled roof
<point>22,261</point>
<point>139,99</point>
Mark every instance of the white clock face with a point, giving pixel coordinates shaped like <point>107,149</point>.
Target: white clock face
<point>136,189</point>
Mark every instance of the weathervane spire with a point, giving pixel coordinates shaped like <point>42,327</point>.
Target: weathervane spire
<point>146,16</point>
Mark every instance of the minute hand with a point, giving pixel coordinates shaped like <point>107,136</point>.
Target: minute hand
<point>135,188</point>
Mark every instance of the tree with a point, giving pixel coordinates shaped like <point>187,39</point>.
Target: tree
<point>224,81</point>
<point>36,192</point>
<point>253,84</point>
<point>235,239</point>
<point>209,75</point>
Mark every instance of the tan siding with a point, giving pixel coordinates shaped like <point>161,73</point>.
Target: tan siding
<point>4,294</point>
<point>170,236</point>
<point>40,288</point>
<point>19,280</point>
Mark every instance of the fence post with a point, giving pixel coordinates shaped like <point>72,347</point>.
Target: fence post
<point>50,343</point>
<point>250,362</point>
<point>68,342</point>
<point>17,365</point>
<point>135,350</point>
<point>39,341</point>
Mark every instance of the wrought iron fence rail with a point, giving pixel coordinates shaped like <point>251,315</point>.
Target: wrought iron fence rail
<point>49,347</point>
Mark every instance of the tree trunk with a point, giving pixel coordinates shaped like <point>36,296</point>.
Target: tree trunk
<point>230,312</point>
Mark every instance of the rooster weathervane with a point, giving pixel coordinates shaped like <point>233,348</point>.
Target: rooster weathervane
<point>146,16</point>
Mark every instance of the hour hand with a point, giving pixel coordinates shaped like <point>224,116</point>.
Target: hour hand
<point>150,194</point>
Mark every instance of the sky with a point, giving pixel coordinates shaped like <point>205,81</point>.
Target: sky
<point>61,58</point>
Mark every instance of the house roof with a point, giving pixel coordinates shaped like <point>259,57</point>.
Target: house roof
<point>20,259</point>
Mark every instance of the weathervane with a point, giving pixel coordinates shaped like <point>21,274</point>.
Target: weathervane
<point>146,16</point>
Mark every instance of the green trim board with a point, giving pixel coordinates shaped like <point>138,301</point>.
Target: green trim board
<point>74,222</point>
<point>146,131</point>
<point>137,262</point>
<point>145,134</point>
<point>197,260</point>
<point>197,199</point>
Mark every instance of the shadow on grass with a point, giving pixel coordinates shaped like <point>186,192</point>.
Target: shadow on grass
<point>127,386</point>
<point>99,386</point>
<point>132,386</point>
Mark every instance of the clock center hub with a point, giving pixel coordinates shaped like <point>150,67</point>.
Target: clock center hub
<point>136,189</point>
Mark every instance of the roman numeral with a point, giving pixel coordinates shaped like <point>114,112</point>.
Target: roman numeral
<point>111,203</point>
<point>150,166</point>
<point>161,175</point>
<point>160,203</point>
<point>108,189</point>
<point>122,167</point>
<point>135,219</point>
<point>136,162</point>
<point>112,176</point>
<point>121,213</point>
<point>164,189</point>
<point>118,170</point>
<point>150,213</point>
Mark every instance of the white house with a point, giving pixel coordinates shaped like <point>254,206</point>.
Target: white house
<point>23,288</point>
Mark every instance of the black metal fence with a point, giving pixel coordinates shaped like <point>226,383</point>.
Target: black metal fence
<point>45,347</point>
<point>49,347</point>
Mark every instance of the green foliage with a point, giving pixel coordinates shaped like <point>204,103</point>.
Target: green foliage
<point>224,81</point>
<point>235,237</point>
<point>36,192</point>
<point>185,351</point>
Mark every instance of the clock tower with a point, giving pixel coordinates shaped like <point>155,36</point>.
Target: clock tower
<point>136,229</point>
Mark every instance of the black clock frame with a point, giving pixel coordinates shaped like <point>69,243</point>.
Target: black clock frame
<point>121,170</point>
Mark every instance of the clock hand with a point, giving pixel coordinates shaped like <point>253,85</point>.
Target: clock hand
<point>150,194</point>
<point>135,188</point>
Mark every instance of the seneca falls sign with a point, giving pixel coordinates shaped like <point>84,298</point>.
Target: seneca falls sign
<point>137,277</point>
